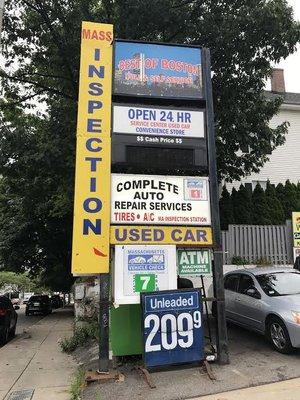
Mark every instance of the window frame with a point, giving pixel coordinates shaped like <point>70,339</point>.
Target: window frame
<point>237,275</point>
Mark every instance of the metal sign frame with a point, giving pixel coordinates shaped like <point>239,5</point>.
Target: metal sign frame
<point>153,96</point>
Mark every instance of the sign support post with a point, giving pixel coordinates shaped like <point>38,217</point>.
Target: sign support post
<point>104,324</point>
<point>222,339</point>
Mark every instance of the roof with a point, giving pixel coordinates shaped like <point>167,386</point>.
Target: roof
<point>263,270</point>
<point>288,98</point>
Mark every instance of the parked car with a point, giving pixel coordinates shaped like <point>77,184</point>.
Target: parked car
<point>8,319</point>
<point>38,304</point>
<point>266,300</point>
<point>56,301</point>
<point>27,297</point>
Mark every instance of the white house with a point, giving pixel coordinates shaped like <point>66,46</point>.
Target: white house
<point>284,162</point>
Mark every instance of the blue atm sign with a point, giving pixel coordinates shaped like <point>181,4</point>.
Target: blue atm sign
<point>172,327</point>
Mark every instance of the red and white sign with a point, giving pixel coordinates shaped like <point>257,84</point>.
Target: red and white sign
<point>158,121</point>
<point>161,200</point>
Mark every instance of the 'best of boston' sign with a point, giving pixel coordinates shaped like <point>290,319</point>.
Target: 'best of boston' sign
<point>165,200</point>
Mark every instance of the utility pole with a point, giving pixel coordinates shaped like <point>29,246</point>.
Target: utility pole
<point>1,16</point>
<point>222,339</point>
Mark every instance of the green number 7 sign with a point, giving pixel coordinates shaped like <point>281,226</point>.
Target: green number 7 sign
<point>144,283</point>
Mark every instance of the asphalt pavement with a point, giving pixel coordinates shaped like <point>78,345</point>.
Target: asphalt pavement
<point>252,363</point>
<point>25,322</point>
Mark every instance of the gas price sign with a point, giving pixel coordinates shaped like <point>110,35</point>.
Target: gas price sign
<point>172,327</point>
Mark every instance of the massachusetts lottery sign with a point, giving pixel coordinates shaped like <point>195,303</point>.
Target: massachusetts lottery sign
<point>177,123</point>
<point>172,327</point>
<point>164,200</point>
<point>143,269</point>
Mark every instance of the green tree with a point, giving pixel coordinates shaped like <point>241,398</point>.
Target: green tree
<point>275,207</point>
<point>260,213</point>
<point>22,282</point>
<point>242,206</point>
<point>226,209</point>
<point>41,42</point>
<point>290,200</point>
<point>288,196</point>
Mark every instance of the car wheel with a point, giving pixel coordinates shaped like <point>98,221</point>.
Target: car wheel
<point>279,336</point>
<point>13,331</point>
<point>214,309</point>
<point>4,336</point>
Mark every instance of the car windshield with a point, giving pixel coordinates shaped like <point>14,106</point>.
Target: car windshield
<point>38,298</point>
<point>280,283</point>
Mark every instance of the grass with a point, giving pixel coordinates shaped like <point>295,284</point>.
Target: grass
<point>77,384</point>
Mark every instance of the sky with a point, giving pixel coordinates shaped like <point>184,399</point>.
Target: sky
<point>291,65</point>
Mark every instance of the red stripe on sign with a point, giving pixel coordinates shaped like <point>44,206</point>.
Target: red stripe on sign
<point>98,253</point>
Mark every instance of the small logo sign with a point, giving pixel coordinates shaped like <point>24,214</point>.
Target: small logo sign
<point>195,189</point>
<point>146,262</point>
<point>144,283</point>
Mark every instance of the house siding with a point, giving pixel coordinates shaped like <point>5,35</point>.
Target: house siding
<point>284,162</point>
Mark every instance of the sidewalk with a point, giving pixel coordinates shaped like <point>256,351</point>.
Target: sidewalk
<point>35,361</point>
<point>285,390</point>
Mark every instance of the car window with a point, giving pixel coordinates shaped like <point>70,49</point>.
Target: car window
<point>231,282</point>
<point>280,283</point>
<point>35,298</point>
<point>4,301</point>
<point>245,283</point>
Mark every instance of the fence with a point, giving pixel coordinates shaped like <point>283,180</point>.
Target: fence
<point>256,242</point>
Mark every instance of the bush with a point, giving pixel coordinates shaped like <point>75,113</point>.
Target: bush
<point>80,337</point>
<point>263,262</point>
<point>237,260</point>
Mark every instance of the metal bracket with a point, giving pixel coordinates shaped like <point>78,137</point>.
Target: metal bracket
<point>209,371</point>
<point>143,371</point>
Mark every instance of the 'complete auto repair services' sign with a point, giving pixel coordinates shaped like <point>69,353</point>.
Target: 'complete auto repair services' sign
<point>165,200</point>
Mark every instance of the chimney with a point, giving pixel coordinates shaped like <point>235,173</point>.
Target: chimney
<point>277,81</point>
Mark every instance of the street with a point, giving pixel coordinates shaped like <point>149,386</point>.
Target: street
<point>25,322</point>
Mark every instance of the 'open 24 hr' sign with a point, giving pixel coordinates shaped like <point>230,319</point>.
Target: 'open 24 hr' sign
<point>172,327</point>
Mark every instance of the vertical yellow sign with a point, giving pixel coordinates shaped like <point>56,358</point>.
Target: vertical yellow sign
<point>296,228</point>
<point>90,251</point>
